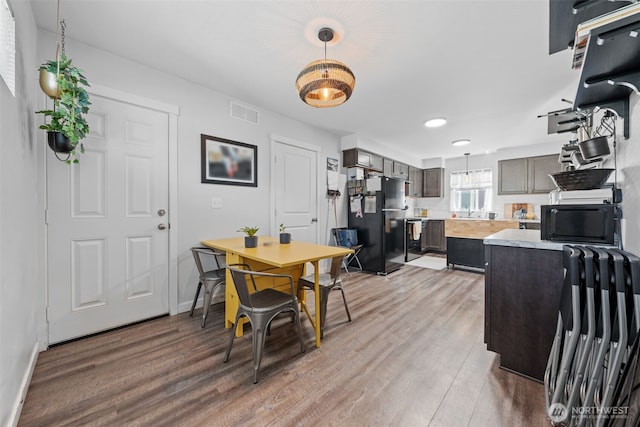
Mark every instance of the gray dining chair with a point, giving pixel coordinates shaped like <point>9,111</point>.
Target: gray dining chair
<point>261,306</point>
<point>210,278</point>
<point>327,282</point>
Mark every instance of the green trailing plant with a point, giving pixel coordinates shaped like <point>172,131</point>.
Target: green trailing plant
<point>282,228</point>
<point>67,115</point>
<point>249,231</point>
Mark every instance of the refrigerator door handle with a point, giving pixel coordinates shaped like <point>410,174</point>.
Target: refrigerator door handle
<point>392,210</point>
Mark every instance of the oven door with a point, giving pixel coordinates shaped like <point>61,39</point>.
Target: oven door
<point>412,236</point>
<point>579,223</point>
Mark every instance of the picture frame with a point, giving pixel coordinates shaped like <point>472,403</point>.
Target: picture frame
<point>228,162</point>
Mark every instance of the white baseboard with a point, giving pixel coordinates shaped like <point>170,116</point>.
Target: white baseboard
<point>24,386</point>
<point>186,306</point>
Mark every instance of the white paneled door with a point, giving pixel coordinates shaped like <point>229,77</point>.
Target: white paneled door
<point>295,187</point>
<point>107,222</point>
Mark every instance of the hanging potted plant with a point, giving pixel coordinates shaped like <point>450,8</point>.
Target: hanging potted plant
<point>67,125</point>
<point>250,240</point>
<point>284,236</point>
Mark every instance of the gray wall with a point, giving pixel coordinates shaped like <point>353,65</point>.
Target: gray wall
<point>21,220</point>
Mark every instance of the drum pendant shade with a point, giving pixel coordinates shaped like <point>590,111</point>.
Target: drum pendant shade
<point>325,82</point>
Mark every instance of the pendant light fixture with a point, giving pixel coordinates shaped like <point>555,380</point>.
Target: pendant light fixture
<point>466,176</point>
<point>325,82</point>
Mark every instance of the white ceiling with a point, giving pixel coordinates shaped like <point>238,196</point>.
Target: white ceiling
<point>482,64</point>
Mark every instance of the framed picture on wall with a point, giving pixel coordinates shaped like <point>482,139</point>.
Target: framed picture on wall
<point>228,162</point>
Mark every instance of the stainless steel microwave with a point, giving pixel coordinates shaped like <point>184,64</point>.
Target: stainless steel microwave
<point>579,223</point>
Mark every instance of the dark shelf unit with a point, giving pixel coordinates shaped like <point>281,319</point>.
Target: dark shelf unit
<point>563,21</point>
<point>611,68</point>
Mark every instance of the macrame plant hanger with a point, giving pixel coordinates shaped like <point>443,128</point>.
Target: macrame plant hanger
<point>60,27</point>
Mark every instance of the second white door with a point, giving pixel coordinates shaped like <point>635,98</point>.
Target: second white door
<point>295,187</point>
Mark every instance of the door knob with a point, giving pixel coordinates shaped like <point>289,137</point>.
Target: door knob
<point>162,226</point>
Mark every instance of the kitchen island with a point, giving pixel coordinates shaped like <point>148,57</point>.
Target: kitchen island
<point>464,239</point>
<point>523,284</point>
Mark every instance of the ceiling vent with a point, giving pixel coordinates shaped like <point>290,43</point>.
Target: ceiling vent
<point>245,113</point>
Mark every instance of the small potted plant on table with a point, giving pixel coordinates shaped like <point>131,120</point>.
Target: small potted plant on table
<point>284,236</point>
<point>250,240</point>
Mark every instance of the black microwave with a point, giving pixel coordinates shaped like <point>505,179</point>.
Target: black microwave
<point>579,223</point>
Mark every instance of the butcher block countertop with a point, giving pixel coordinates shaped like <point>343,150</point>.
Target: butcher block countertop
<point>471,228</point>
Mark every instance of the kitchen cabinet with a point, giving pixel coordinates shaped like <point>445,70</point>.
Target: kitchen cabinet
<point>433,182</point>
<point>387,167</point>
<point>432,238</point>
<point>356,157</point>
<point>465,252</point>
<point>521,306</point>
<point>414,184</point>
<point>465,237</point>
<point>528,175</point>
<point>400,170</point>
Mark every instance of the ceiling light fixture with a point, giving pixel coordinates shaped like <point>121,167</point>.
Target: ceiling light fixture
<point>459,142</point>
<point>434,123</point>
<point>325,82</point>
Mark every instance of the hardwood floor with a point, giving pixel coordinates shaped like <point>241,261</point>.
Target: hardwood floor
<point>412,356</point>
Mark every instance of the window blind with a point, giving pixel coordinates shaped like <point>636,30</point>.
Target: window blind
<point>8,46</point>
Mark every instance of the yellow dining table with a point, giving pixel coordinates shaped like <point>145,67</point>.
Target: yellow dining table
<point>273,257</point>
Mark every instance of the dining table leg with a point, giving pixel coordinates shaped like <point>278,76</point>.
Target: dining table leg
<point>316,288</point>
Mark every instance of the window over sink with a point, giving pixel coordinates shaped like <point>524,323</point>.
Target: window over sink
<point>471,191</point>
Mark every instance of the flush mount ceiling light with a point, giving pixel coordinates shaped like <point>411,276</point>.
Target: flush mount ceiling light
<point>436,122</point>
<point>461,142</point>
<point>325,82</point>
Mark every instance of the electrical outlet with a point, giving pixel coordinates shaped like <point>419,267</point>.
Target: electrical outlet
<point>216,203</point>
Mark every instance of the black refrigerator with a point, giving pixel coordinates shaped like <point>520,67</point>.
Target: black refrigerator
<point>380,224</point>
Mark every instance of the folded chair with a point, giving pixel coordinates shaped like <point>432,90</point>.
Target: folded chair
<point>568,328</point>
<point>327,282</point>
<point>348,238</point>
<point>261,306</point>
<point>211,279</point>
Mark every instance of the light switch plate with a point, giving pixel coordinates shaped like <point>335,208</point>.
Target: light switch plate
<point>216,203</point>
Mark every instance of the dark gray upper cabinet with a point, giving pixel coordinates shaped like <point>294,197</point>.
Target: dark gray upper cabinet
<point>539,168</point>
<point>414,184</point>
<point>356,157</point>
<point>433,182</point>
<point>387,168</point>
<point>400,170</point>
<point>512,176</point>
<point>528,175</point>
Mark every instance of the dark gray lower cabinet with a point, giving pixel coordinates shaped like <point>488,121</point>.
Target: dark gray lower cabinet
<point>433,236</point>
<point>467,252</point>
<point>522,297</point>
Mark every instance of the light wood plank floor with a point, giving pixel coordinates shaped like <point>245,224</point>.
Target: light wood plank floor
<point>413,356</point>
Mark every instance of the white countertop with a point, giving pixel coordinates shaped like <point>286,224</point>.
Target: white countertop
<point>522,239</point>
